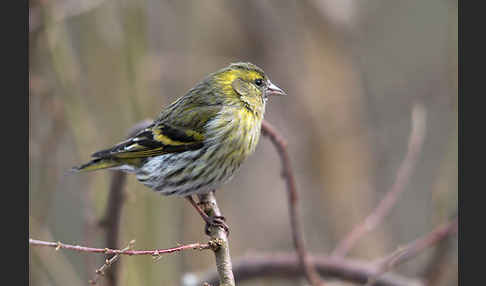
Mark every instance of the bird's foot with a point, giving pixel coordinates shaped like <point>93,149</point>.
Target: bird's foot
<point>205,206</point>
<point>216,221</point>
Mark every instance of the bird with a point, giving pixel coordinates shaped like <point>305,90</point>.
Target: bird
<point>198,142</point>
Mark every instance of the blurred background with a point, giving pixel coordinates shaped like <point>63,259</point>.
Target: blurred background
<point>352,69</point>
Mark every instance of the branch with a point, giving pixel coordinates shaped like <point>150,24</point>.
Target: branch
<point>415,143</point>
<point>222,254</point>
<point>111,219</point>
<point>109,263</point>
<point>155,252</point>
<point>288,266</point>
<point>438,266</point>
<point>403,254</point>
<point>297,233</point>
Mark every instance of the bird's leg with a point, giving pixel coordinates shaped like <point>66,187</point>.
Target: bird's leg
<point>217,221</point>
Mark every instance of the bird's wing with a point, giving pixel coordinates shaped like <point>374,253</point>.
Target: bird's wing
<point>180,132</point>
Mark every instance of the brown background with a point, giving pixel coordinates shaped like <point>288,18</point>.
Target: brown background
<point>352,70</point>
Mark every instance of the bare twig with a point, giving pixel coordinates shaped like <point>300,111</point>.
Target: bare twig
<point>111,220</point>
<point>288,266</point>
<point>155,252</point>
<point>297,232</point>
<point>415,143</point>
<point>414,248</point>
<point>222,254</point>
<point>109,262</point>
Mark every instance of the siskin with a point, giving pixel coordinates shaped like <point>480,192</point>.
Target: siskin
<point>198,142</point>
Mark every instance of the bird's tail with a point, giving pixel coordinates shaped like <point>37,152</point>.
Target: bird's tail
<point>97,164</point>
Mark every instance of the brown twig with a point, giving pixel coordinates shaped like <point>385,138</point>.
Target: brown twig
<point>297,233</point>
<point>223,259</point>
<point>109,262</point>
<point>155,252</point>
<point>415,143</point>
<point>414,248</point>
<point>111,219</point>
<point>288,266</point>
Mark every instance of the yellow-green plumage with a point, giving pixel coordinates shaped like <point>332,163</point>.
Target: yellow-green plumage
<point>200,140</point>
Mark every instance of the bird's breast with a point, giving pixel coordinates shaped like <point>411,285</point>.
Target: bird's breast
<point>236,131</point>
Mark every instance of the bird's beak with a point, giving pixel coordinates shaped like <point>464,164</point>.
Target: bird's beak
<point>272,89</point>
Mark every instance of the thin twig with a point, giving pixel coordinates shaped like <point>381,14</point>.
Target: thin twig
<point>415,143</point>
<point>297,232</point>
<point>155,252</point>
<point>222,254</point>
<point>109,262</point>
<point>285,266</point>
<point>414,248</point>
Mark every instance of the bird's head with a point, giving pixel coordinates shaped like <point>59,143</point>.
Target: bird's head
<point>246,84</point>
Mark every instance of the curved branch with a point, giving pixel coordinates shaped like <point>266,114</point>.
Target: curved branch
<point>415,142</point>
<point>288,266</point>
<point>297,233</point>
<point>414,248</point>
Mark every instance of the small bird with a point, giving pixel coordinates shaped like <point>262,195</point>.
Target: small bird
<point>199,141</point>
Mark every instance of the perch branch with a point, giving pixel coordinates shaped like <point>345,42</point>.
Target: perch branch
<point>403,254</point>
<point>297,233</point>
<point>222,254</point>
<point>155,252</point>
<point>288,266</point>
<point>415,143</point>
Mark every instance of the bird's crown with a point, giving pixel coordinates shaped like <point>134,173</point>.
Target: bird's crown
<point>245,71</point>
<point>246,67</point>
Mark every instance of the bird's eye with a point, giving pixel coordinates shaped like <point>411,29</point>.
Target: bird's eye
<point>259,82</point>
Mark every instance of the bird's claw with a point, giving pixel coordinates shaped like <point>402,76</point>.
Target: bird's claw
<point>217,221</point>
